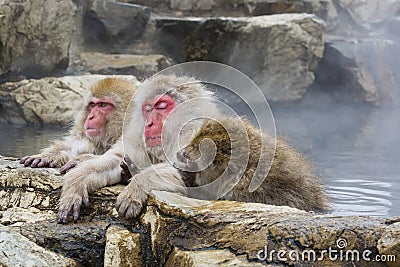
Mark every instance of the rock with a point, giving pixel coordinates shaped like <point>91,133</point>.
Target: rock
<point>29,204</point>
<point>389,243</point>
<point>35,36</point>
<point>237,8</point>
<point>212,258</point>
<point>359,71</point>
<point>110,22</point>
<point>175,230</point>
<point>137,65</point>
<point>17,250</point>
<point>83,241</point>
<point>47,100</point>
<point>122,248</point>
<point>39,188</point>
<point>366,13</point>
<point>247,229</point>
<point>281,51</point>
<point>18,216</point>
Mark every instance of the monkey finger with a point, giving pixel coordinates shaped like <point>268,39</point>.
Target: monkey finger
<point>122,208</point>
<point>43,163</point>
<point>52,164</point>
<point>85,201</point>
<point>22,161</point>
<point>63,216</point>
<point>76,210</point>
<point>28,161</point>
<point>67,167</point>
<point>130,212</point>
<point>35,162</point>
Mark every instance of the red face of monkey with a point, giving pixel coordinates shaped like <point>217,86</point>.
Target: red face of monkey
<point>98,110</point>
<point>154,112</point>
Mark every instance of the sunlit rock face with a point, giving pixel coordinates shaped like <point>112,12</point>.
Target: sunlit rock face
<point>172,229</point>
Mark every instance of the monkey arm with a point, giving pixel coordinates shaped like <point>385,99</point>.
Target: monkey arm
<point>58,154</point>
<point>160,176</point>
<point>87,177</point>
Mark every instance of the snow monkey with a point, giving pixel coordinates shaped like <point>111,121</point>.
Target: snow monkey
<point>155,99</point>
<point>97,127</point>
<point>145,140</point>
<point>290,181</point>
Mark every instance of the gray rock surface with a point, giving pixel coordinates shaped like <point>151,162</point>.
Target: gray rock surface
<point>47,100</point>
<point>138,65</point>
<point>110,22</point>
<point>35,36</point>
<point>17,250</point>
<point>280,52</point>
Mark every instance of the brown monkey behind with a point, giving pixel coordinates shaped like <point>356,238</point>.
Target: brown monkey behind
<point>290,181</point>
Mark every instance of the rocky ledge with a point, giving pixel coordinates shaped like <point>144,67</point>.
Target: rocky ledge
<point>175,230</point>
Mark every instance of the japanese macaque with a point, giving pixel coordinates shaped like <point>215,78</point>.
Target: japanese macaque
<point>286,180</point>
<point>97,127</point>
<point>151,105</point>
<point>290,180</point>
<point>164,135</point>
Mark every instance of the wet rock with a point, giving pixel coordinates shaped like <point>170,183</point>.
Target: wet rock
<point>281,51</point>
<point>138,65</point>
<point>47,100</point>
<point>389,243</point>
<point>17,250</point>
<point>35,36</point>
<point>83,241</point>
<point>110,22</point>
<point>122,248</point>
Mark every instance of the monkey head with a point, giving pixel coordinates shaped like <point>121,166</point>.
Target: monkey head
<point>104,108</point>
<point>207,156</point>
<point>159,96</point>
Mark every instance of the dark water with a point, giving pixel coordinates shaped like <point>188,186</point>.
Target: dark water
<point>357,152</point>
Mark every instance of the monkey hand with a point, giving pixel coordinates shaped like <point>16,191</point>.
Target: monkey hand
<point>74,193</point>
<point>68,166</point>
<point>37,161</point>
<point>130,201</point>
<point>128,169</point>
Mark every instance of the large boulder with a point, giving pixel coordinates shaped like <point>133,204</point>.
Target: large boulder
<point>47,100</point>
<point>35,36</point>
<point>110,22</point>
<point>279,52</point>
